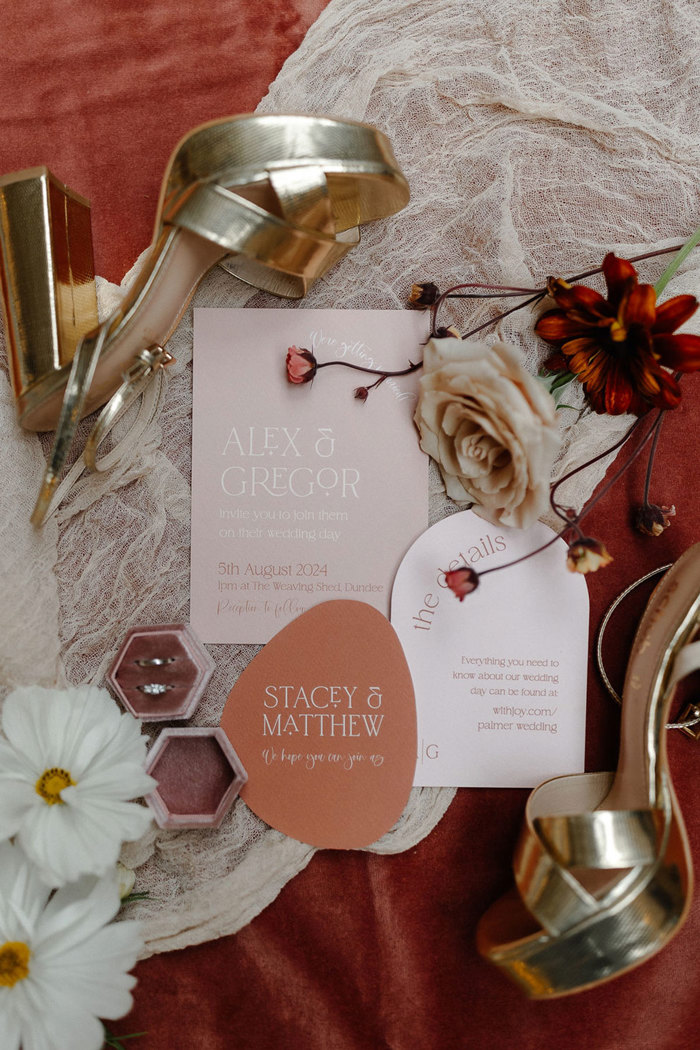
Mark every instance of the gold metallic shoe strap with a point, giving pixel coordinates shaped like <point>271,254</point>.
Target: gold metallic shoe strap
<point>327,176</point>
<point>579,836</point>
<point>242,228</point>
<point>145,380</point>
<point>605,838</point>
<point>79,380</point>
<point>364,176</point>
<point>304,196</point>
<point>147,367</point>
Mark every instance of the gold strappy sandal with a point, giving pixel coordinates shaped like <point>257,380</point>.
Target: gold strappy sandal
<point>603,868</point>
<point>274,199</point>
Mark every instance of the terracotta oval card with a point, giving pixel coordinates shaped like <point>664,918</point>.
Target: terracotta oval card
<point>324,722</point>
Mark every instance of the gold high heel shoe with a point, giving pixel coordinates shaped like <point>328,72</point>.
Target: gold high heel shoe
<point>274,199</point>
<point>603,869</point>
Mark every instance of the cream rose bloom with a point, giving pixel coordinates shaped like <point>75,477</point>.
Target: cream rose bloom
<point>490,427</point>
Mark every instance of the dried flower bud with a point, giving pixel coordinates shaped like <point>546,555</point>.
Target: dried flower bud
<point>587,555</point>
<point>423,295</point>
<point>447,333</point>
<point>462,581</point>
<point>126,878</point>
<point>557,285</point>
<point>652,520</point>
<point>361,393</point>
<point>301,365</point>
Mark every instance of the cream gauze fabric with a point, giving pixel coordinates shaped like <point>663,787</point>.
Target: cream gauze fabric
<point>535,136</point>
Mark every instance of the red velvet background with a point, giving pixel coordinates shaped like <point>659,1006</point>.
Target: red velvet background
<point>358,952</point>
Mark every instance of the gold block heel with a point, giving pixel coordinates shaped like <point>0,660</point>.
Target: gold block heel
<point>48,283</point>
<point>603,870</point>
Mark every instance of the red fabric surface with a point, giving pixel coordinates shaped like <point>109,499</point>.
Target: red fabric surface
<point>102,92</point>
<point>359,952</point>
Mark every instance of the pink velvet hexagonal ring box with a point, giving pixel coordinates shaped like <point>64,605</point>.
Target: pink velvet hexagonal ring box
<point>199,776</point>
<point>160,673</point>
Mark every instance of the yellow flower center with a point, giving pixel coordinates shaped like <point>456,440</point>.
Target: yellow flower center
<point>618,332</point>
<point>51,783</point>
<point>14,963</point>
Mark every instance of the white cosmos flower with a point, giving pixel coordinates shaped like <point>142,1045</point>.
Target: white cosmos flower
<point>61,965</point>
<point>68,766</point>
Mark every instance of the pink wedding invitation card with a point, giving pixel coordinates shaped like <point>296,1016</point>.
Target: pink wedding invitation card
<point>300,492</point>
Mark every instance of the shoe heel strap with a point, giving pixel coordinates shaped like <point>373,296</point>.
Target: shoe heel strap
<point>145,377</point>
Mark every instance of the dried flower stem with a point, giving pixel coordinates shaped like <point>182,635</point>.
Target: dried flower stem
<point>560,511</point>
<point>539,294</point>
<point>495,291</point>
<point>574,522</point>
<point>372,371</point>
<point>507,291</point>
<point>523,557</point>
<point>640,258</point>
<point>621,470</point>
<point>652,455</point>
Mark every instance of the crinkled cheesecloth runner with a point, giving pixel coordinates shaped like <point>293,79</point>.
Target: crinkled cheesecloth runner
<point>531,147</point>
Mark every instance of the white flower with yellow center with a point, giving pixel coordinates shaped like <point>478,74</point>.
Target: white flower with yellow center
<point>61,965</point>
<point>68,767</point>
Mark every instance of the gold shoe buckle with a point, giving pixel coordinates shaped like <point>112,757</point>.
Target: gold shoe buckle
<point>135,379</point>
<point>146,361</point>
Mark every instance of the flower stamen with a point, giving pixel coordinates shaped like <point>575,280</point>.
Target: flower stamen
<point>51,783</point>
<point>14,963</point>
<point>618,332</point>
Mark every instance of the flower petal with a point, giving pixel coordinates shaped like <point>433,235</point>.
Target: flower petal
<point>641,306</point>
<point>24,722</point>
<point>681,352</point>
<point>585,346</point>
<point>669,395</point>
<point>582,298</point>
<point>555,326</point>
<point>674,312</point>
<point>16,801</point>
<point>587,361</point>
<point>10,1034</point>
<point>76,912</point>
<point>619,275</point>
<point>618,390</point>
<point>78,965</point>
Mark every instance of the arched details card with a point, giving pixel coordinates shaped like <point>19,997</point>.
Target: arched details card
<point>500,677</point>
<point>300,492</point>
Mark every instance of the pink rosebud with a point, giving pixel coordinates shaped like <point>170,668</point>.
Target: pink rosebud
<point>301,365</point>
<point>587,555</point>
<point>462,581</point>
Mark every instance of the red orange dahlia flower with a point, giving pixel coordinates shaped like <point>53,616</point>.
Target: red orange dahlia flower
<point>621,347</point>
